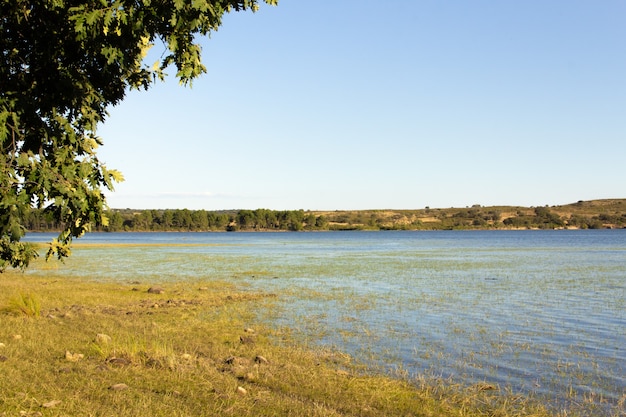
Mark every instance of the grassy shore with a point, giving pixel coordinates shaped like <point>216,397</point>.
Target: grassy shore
<point>76,347</point>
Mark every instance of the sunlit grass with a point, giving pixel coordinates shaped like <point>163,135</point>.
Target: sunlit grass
<point>198,348</point>
<point>23,305</point>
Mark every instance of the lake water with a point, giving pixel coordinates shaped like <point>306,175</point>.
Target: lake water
<point>534,312</point>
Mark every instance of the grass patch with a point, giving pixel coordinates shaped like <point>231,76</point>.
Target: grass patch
<point>195,348</point>
<point>23,305</point>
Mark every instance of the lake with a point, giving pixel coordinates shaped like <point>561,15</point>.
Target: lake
<point>533,312</point>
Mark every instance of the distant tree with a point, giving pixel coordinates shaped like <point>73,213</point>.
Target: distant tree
<point>546,219</point>
<point>145,220</point>
<point>309,221</point>
<point>321,222</point>
<point>246,219</point>
<point>62,65</point>
<point>199,219</point>
<point>495,215</point>
<point>374,221</point>
<point>519,221</point>
<point>167,219</point>
<point>266,219</point>
<point>116,221</point>
<point>217,221</point>
<point>479,222</point>
<point>181,219</point>
<point>291,220</point>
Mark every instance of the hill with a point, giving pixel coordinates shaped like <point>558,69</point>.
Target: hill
<point>610,213</point>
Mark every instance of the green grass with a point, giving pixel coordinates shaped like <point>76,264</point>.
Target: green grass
<point>180,353</point>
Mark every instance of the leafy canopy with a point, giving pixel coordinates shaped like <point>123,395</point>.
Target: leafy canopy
<point>62,64</point>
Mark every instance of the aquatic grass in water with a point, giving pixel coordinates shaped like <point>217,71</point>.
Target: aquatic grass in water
<point>539,313</point>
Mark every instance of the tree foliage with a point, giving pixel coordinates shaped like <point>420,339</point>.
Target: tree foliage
<point>63,63</point>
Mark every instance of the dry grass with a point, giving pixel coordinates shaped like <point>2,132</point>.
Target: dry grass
<point>101,349</point>
<point>23,305</point>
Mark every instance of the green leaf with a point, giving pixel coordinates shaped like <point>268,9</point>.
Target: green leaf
<point>116,175</point>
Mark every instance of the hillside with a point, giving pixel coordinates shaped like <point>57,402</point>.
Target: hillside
<point>610,213</point>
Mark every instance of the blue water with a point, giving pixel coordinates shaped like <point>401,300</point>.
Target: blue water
<point>536,312</point>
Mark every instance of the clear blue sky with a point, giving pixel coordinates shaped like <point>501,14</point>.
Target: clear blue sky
<point>402,104</point>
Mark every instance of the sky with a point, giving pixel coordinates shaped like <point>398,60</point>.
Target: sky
<point>395,104</point>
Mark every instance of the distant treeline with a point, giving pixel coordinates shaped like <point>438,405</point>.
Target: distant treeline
<point>194,220</point>
<point>476,217</point>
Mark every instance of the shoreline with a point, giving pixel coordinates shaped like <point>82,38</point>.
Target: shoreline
<point>73,352</point>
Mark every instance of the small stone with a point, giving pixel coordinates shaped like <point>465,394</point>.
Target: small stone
<point>103,339</point>
<point>17,337</point>
<point>3,358</point>
<point>245,340</point>
<point>118,361</point>
<point>2,345</point>
<point>156,290</point>
<point>185,356</point>
<point>484,386</point>
<point>249,330</point>
<point>237,361</point>
<point>203,289</point>
<point>51,404</point>
<point>241,391</point>
<point>118,387</point>
<point>73,357</point>
<point>261,359</point>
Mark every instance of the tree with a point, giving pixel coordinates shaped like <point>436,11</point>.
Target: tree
<point>182,219</point>
<point>294,220</point>
<point>63,63</point>
<point>145,220</point>
<point>167,219</point>
<point>266,219</point>
<point>246,219</point>
<point>199,220</point>
<point>321,222</point>
<point>116,221</point>
<point>309,220</point>
<point>217,221</point>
